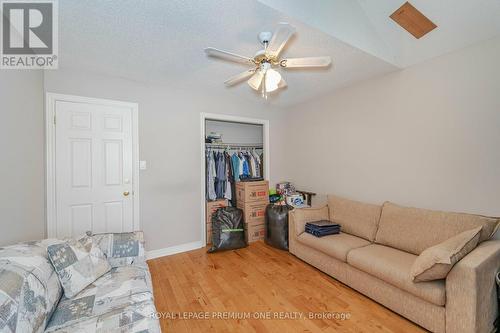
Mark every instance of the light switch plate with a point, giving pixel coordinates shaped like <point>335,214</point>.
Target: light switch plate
<point>143,165</point>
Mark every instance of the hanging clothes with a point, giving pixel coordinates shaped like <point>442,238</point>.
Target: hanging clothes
<point>236,166</point>
<point>231,179</point>
<point>261,164</point>
<point>229,176</point>
<point>253,165</point>
<point>225,169</point>
<point>220,178</point>
<point>211,172</point>
<point>246,169</point>
<point>257,162</point>
<point>242,166</point>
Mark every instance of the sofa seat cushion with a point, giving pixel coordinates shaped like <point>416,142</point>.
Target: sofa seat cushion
<point>122,287</point>
<point>393,266</point>
<point>337,246</point>
<point>356,218</point>
<point>414,230</point>
<point>135,318</point>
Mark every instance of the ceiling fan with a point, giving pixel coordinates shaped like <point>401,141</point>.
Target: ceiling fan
<point>263,76</point>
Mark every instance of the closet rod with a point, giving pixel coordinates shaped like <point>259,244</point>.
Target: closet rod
<point>233,145</point>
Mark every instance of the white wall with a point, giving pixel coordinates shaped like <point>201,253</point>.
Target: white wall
<point>22,200</point>
<point>427,136</point>
<point>236,132</point>
<point>169,134</point>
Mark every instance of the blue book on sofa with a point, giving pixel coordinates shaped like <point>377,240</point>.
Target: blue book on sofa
<point>322,228</point>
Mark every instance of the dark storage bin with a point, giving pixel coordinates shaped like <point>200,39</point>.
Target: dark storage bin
<point>277,226</point>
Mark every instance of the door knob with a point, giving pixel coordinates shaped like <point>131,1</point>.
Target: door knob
<point>126,193</point>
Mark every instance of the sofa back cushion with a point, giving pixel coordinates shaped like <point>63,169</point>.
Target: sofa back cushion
<point>437,261</point>
<point>414,230</point>
<point>78,263</point>
<point>29,288</point>
<point>355,218</point>
<point>122,249</point>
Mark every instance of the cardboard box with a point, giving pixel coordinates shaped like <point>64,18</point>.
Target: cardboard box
<point>254,233</point>
<point>252,191</point>
<point>212,206</point>
<point>253,212</point>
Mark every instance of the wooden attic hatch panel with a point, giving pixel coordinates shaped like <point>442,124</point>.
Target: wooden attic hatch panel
<point>412,20</point>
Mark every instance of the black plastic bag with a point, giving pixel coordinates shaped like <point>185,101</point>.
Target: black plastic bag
<point>228,232</point>
<point>277,226</point>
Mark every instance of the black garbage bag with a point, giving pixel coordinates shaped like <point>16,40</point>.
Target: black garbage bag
<point>277,226</point>
<point>228,230</point>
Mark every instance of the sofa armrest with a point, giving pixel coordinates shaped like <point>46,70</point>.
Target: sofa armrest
<point>121,249</point>
<point>471,296</point>
<point>300,216</point>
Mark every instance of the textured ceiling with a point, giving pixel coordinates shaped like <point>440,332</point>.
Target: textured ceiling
<point>162,42</point>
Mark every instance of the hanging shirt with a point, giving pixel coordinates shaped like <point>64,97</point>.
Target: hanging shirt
<point>236,167</point>
<point>257,162</point>
<point>211,172</point>
<point>220,178</point>
<point>261,157</point>
<point>246,169</point>
<point>229,176</point>
<point>253,165</point>
<point>242,164</point>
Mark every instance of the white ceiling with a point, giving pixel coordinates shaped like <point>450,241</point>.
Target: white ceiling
<point>161,42</point>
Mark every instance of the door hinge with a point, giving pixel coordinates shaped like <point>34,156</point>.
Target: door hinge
<point>54,120</point>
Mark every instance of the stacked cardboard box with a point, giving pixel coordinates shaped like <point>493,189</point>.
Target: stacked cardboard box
<point>212,206</point>
<point>253,198</point>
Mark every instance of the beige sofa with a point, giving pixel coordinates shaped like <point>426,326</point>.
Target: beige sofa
<point>377,247</point>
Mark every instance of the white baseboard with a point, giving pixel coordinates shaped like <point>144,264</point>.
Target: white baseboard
<point>173,250</point>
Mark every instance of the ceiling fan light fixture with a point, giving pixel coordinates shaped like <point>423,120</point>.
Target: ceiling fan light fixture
<point>272,80</point>
<point>262,77</point>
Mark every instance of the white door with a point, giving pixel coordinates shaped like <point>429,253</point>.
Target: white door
<point>93,168</point>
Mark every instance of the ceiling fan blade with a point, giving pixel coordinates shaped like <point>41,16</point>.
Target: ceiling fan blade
<point>306,62</point>
<point>213,52</point>
<point>256,80</point>
<point>279,39</point>
<point>240,77</point>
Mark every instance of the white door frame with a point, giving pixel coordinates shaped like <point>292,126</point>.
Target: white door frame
<point>225,117</point>
<point>50,153</point>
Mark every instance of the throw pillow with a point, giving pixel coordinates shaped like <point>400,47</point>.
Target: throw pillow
<point>437,261</point>
<point>77,263</point>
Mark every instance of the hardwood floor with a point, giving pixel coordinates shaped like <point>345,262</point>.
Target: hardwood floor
<point>253,285</point>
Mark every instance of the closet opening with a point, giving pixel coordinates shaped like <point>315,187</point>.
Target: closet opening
<point>234,150</point>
